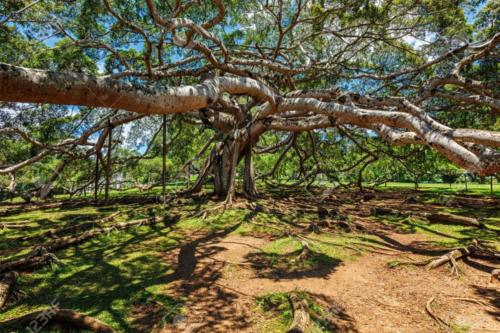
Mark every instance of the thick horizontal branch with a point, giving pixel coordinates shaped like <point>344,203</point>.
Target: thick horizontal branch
<point>19,84</point>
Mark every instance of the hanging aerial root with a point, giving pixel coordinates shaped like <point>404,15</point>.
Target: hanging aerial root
<point>54,315</point>
<point>7,283</point>
<point>301,317</point>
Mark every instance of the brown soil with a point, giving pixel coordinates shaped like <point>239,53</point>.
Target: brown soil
<point>220,287</point>
<point>218,280</point>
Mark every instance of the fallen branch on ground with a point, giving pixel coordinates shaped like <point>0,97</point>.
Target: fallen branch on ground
<point>64,317</point>
<point>301,316</point>
<point>7,284</point>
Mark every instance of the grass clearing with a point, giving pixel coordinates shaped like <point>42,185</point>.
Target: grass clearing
<point>113,275</point>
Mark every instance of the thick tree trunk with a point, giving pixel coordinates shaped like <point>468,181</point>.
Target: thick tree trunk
<point>226,159</point>
<point>223,162</point>
<point>221,169</point>
<point>232,174</point>
<point>250,188</point>
<point>227,156</point>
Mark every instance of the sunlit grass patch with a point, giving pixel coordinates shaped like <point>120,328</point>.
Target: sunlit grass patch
<point>103,277</point>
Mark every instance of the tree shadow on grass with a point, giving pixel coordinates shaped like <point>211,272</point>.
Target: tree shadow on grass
<point>105,277</point>
<point>289,266</point>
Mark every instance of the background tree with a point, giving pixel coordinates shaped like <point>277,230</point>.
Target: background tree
<point>335,77</point>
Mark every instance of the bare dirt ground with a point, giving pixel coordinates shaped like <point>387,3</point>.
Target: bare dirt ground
<point>220,289</point>
<point>219,275</point>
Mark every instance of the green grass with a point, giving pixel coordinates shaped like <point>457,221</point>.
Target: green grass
<point>472,188</point>
<point>104,277</point>
<point>109,276</point>
<point>113,193</point>
<point>445,235</point>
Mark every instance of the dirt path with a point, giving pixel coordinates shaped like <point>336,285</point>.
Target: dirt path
<point>220,290</point>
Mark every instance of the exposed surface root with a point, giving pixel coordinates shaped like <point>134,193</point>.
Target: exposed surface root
<point>449,257</point>
<point>442,218</point>
<point>301,318</point>
<point>397,263</point>
<point>36,259</point>
<point>7,283</point>
<point>73,228</point>
<point>441,322</point>
<point>446,218</point>
<point>42,255</point>
<point>68,241</point>
<point>305,253</point>
<point>13,226</point>
<point>495,275</point>
<point>388,211</point>
<point>68,318</point>
<point>313,227</point>
<point>452,257</point>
